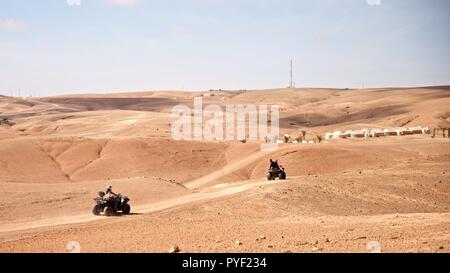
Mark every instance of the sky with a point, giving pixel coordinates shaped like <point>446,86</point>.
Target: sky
<point>54,47</point>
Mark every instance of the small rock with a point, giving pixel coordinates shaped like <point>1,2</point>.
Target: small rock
<point>262,237</point>
<point>217,241</point>
<point>441,247</point>
<point>327,240</point>
<point>238,243</point>
<point>361,238</point>
<point>270,246</point>
<point>174,249</point>
<point>314,249</point>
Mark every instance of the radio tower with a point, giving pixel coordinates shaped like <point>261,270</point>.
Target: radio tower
<point>292,84</point>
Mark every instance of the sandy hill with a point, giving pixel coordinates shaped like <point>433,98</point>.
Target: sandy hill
<point>315,110</point>
<point>56,153</point>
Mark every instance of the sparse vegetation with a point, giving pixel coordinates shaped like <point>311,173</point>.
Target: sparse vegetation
<point>319,138</point>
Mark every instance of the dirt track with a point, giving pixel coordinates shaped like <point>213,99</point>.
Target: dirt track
<point>205,196</point>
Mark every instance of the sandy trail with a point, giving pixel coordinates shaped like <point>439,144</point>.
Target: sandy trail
<point>232,167</point>
<point>217,191</point>
<point>394,190</point>
<point>203,192</point>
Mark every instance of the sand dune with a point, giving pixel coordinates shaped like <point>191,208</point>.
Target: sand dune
<point>56,153</point>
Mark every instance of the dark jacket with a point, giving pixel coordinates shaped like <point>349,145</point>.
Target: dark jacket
<point>274,164</point>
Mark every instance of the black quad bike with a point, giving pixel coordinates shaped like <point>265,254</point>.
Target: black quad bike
<point>112,206</point>
<point>275,172</point>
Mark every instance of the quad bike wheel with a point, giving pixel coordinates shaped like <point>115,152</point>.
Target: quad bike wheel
<point>282,176</point>
<point>97,210</point>
<point>109,211</point>
<point>126,209</point>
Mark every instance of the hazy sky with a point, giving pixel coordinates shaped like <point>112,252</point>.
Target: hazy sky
<point>71,46</point>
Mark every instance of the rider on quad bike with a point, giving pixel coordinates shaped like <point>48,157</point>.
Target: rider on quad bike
<point>111,196</point>
<point>110,203</point>
<point>276,170</point>
<point>274,164</point>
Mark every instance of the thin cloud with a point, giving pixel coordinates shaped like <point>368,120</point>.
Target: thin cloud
<point>12,25</point>
<point>373,2</point>
<point>200,1</point>
<point>177,30</point>
<point>123,2</point>
<point>73,2</point>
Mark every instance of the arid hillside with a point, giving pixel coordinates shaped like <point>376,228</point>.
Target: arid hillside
<point>56,153</point>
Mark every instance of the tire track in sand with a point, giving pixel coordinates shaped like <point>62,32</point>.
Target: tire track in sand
<point>232,167</point>
<point>209,193</point>
<point>206,193</point>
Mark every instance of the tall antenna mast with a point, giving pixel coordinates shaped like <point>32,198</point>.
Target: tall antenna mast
<point>291,85</point>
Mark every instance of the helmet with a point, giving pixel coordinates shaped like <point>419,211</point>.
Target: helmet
<point>109,188</point>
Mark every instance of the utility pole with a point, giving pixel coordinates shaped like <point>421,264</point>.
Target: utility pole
<point>291,85</point>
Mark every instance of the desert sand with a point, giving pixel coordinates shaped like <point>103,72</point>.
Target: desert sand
<point>56,153</point>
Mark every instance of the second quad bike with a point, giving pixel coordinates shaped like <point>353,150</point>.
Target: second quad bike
<point>276,172</point>
<point>111,206</point>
